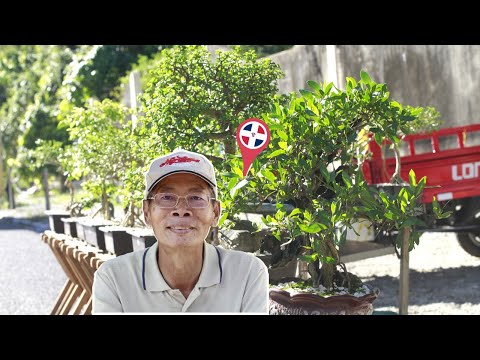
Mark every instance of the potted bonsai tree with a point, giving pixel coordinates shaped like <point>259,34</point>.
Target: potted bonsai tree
<point>196,102</point>
<point>96,133</point>
<point>314,163</point>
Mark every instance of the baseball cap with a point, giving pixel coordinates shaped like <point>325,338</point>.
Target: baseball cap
<point>180,161</point>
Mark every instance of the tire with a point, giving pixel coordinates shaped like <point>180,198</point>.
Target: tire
<point>470,242</point>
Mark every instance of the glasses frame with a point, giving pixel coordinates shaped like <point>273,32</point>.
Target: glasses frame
<point>178,200</point>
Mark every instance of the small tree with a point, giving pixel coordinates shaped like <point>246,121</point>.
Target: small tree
<point>197,103</point>
<point>143,146</point>
<point>100,148</point>
<point>314,163</point>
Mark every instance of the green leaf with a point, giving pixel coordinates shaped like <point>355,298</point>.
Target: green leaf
<point>295,212</point>
<point>328,87</point>
<point>352,82</point>
<point>223,218</point>
<point>283,145</point>
<point>365,77</point>
<point>232,183</point>
<point>237,187</point>
<point>314,85</point>
<point>333,207</point>
<point>311,229</point>
<point>306,94</point>
<point>275,153</point>
<point>237,171</point>
<point>324,171</point>
<point>412,178</point>
<point>307,215</point>
<point>283,135</point>
<point>308,258</point>
<point>269,175</point>
<point>346,179</point>
<point>389,215</point>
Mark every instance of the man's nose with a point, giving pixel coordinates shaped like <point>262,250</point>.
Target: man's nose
<point>182,208</point>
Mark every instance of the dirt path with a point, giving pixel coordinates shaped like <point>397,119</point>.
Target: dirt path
<point>444,279</point>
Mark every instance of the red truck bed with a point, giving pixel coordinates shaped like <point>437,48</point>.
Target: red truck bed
<point>448,157</point>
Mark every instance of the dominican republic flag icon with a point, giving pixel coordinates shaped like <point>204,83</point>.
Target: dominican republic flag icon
<point>253,135</point>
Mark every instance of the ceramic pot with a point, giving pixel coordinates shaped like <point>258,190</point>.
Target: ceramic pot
<point>282,303</point>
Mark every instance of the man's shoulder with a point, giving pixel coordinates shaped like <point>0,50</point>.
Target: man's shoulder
<point>123,261</point>
<point>231,255</point>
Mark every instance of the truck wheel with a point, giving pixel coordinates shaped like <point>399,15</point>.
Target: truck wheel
<point>470,242</point>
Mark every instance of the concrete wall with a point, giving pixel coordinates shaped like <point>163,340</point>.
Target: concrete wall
<point>446,77</point>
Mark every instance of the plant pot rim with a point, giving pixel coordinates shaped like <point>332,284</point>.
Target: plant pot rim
<point>89,221</point>
<point>140,231</point>
<point>113,228</point>
<point>57,212</point>
<point>282,301</point>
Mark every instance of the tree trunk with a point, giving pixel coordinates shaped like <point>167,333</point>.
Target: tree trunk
<point>131,214</point>
<point>2,183</point>
<point>396,177</point>
<point>105,204</point>
<point>328,269</point>
<point>45,188</point>
<point>229,144</point>
<point>11,194</point>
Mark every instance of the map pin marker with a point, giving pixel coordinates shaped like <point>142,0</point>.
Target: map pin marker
<point>253,135</point>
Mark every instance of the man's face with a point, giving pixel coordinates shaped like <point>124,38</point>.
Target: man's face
<point>181,226</point>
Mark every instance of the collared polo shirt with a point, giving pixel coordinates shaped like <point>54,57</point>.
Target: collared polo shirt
<point>230,281</point>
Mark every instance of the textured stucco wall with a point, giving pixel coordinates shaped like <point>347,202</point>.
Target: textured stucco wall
<point>444,76</point>
<point>300,64</point>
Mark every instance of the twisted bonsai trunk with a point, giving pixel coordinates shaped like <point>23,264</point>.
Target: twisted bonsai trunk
<point>325,274</point>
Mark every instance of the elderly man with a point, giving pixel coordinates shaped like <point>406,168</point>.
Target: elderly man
<point>181,272</point>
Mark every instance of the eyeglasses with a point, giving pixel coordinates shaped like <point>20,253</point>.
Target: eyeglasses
<point>169,200</point>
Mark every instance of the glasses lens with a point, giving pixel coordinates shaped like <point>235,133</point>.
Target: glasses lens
<point>168,200</point>
<point>197,201</point>
<point>165,200</point>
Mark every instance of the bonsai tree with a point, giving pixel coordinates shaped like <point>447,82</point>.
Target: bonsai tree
<point>142,147</point>
<point>99,148</point>
<point>314,163</point>
<point>197,103</point>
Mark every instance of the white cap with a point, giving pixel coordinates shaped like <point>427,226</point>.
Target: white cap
<point>180,161</point>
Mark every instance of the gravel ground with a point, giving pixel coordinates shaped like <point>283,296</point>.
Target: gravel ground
<point>31,277</point>
<point>444,279</point>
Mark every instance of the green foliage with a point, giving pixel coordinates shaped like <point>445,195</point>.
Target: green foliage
<point>100,149</point>
<point>428,120</point>
<point>95,71</point>
<point>40,84</point>
<point>193,101</point>
<point>313,162</point>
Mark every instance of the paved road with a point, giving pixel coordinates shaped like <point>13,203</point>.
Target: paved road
<point>30,277</point>
<point>444,279</point>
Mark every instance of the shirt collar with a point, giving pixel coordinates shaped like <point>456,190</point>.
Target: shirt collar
<point>152,277</point>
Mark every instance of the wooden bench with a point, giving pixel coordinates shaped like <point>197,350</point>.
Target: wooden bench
<point>79,260</point>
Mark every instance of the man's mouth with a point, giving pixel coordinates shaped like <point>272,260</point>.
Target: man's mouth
<point>180,229</point>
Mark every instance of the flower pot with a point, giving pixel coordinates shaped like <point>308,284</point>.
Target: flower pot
<point>141,238</point>
<point>93,235</point>
<point>54,220</point>
<point>283,303</point>
<point>70,226</point>
<point>117,240</point>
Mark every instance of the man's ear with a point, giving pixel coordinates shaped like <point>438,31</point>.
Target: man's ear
<point>146,212</point>
<point>217,210</point>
